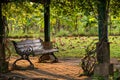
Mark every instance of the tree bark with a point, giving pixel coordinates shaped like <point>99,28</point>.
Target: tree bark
<point>3,63</point>
<point>47,21</point>
<point>103,20</point>
<point>103,47</point>
<point>2,48</point>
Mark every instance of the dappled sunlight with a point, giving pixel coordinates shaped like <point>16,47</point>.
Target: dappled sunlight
<point>65,69</point>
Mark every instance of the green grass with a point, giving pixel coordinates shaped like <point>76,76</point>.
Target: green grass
<point>72,46</point>
<point>115,46</point>
<point>75,46</point>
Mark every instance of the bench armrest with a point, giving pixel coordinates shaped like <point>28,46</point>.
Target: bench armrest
<point>30,50</point>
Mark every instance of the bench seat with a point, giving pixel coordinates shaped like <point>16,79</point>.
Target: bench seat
<point>35,47</point>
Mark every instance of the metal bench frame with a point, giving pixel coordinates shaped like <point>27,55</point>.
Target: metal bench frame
<point>35,47</point>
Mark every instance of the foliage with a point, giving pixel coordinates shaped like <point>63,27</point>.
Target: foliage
<point>78,17</point>
<point>62,33</point>
<point>98,77</point>
<point>116,75</point>
<point>89,60</point>
<point>114,7</point>
<point>20,19</point>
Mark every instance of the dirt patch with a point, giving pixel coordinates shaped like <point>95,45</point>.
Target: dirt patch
<point>65,69</point>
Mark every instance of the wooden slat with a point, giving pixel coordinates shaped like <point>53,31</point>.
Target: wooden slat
<point>35,45</point>
<point>29,42</point>
<point>32,45</point>
<point>45,51</point>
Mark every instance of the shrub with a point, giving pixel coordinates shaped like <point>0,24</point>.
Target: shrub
<point>62,33</point>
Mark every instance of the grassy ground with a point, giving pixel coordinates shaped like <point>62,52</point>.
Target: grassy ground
<point>115,46</point>
<point>75,46</point>
<point>72,46</point>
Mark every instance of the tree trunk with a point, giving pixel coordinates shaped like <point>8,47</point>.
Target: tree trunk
<point>103,48</point>
<point>103,20</point>
<point>47,24</point>
<point>3,63</point>
<point>2,50</point>
<point>47,21</point>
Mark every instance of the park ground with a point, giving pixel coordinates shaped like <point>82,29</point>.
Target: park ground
<point>65,69</point>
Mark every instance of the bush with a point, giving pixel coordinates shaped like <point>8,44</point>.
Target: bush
<point>62,33</point>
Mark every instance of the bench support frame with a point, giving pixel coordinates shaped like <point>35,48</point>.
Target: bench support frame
<point>28,47</point>
<point>23,57</point>
<point>47,57</point>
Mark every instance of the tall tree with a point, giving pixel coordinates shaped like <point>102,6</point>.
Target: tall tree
<point>47,20</point>
<point>3,63</point>
<point>103,47</point>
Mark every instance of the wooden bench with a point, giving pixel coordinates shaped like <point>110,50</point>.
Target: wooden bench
<point>26,48</point>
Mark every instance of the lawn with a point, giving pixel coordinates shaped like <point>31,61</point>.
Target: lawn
<point>75,46</point>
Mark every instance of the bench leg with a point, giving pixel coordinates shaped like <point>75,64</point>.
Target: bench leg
<point>55,58</point>
<point>44,58</point>
<point>31,64</point>
<point>15,66</point>
<point>48,57</point>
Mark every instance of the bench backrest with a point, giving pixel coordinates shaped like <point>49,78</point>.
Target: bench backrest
<point>24,46</point>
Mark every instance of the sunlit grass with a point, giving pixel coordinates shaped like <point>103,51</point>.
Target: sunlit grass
<point>72,46</point>
<point>75,46</point>
<point>115,46</point>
